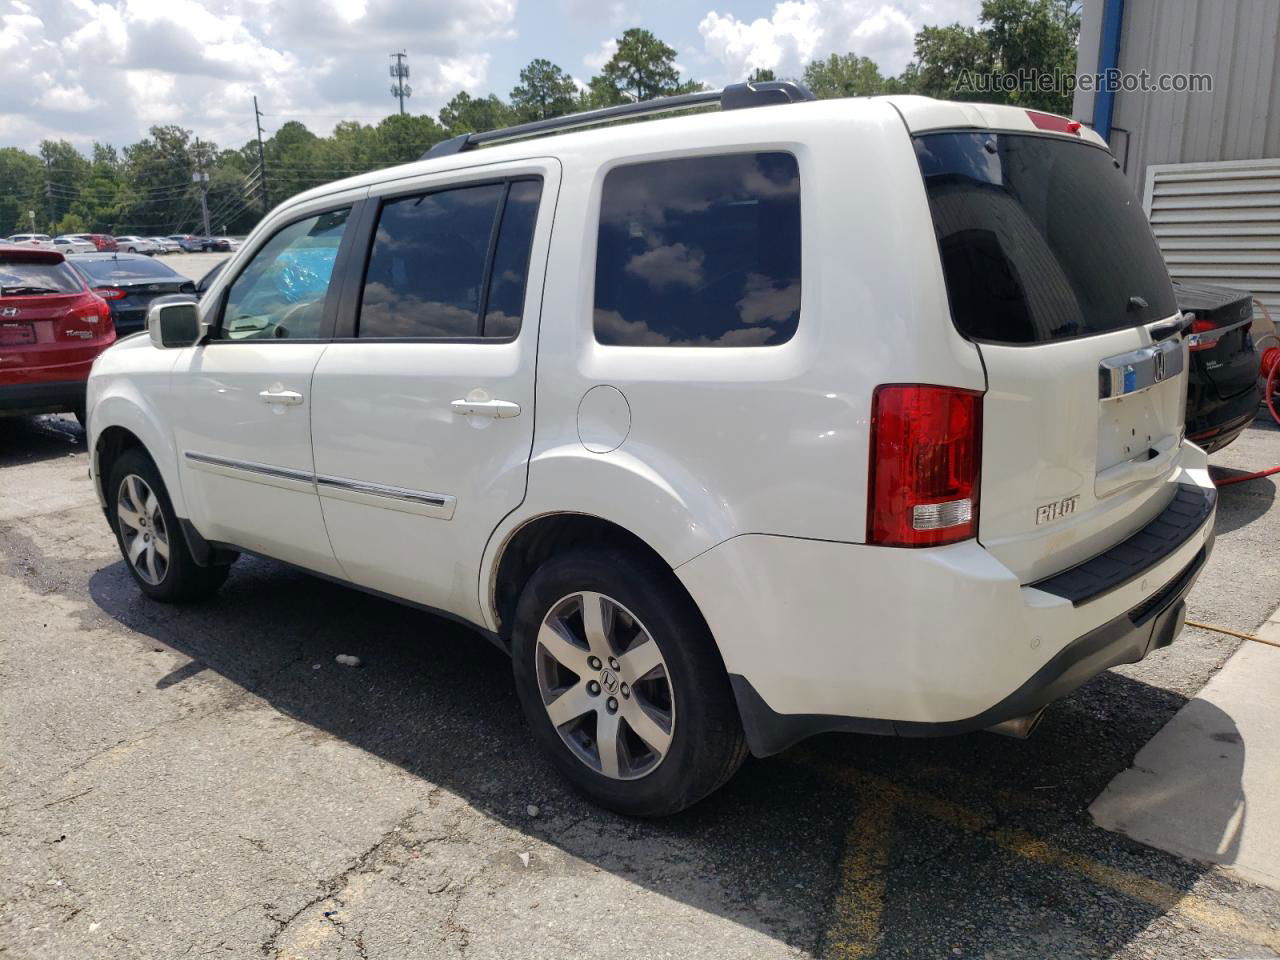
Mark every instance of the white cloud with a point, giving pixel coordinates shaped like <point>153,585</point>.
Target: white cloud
<point>799,31</point>
<point>82,70</point>
<point>603,54</point>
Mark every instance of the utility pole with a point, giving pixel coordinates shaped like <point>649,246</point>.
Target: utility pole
<point>202,178</point>
<point>262,158</point>
<point>400,73</point>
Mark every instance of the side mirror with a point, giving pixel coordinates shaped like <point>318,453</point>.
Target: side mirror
<point>174,321</point>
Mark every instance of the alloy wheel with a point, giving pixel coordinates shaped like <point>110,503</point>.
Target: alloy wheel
<point>605,686</point>
<point>142,529</point>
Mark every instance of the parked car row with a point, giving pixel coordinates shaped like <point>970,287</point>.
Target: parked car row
<point>89,242</point>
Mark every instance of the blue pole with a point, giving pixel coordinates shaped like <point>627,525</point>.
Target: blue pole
<point>1104,101</point>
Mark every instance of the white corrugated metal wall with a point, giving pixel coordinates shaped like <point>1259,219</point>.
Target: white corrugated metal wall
<point>1219,223</point>
<point>1236,42</point>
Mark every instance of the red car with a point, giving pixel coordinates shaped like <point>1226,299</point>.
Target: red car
<point>52,328</point>
<point>104,242</point>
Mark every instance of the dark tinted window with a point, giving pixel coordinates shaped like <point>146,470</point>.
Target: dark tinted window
<point>701,251</point>
<point>108,270</point>
<point>427,268</point>
<point>1041,238</point>
<point>19,278</point>
<point>511,260</point>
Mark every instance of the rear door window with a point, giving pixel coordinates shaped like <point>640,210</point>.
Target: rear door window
<point>700,252</point>
<point>1041,238</point>
<point>451,264</point>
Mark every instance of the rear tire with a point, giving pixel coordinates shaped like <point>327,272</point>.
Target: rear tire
<point>150,536</point>
<point>625,692</point>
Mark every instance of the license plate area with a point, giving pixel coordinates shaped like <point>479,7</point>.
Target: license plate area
<point>13,334</point>
<point>1139,412</point>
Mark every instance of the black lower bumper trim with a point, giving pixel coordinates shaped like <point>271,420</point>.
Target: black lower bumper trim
<point>1128,638</point>
<point>42,397</point>
<point>1135,555</point>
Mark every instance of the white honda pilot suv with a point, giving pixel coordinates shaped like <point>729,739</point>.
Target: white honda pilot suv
<point>732,427</point>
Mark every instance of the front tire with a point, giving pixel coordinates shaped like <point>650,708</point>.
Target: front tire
<point>622,684</point>
<point>150,538</point>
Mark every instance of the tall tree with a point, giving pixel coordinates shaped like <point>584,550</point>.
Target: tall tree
<point>544,91</point>
<point>643,67</point>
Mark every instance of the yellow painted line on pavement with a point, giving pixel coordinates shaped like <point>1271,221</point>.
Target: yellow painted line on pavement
<point>860,878</point>
<point>854,930</point>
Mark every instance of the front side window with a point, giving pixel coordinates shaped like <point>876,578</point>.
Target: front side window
<point>700,252</point>
<point>450,264</point>
<point>281,293</point>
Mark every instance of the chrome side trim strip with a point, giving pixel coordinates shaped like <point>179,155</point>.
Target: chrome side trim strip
<point>380,490</point>
<point>439,506</point>
<point>248,466</point>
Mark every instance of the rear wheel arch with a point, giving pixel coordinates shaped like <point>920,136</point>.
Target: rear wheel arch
<point>540,538</point>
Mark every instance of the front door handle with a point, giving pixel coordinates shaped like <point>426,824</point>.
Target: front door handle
<point>290,398</point>
<point>498,409</point>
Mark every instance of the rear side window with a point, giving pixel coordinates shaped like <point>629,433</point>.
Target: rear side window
<point>24,278</point>
<point>700,252</point>
<point>451,264</point>
<point>1041,238</point>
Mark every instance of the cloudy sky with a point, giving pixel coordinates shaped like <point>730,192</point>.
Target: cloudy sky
<point>108,69</point>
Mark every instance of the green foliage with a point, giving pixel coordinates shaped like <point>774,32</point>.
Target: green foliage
<point>544,91</point>
<point>643,67</point>
<point>468,114</point>
<point>147,187</point>
<point>760,75</point>
<point>847,75</point>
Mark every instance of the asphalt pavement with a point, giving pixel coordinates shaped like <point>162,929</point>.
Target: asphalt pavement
<point>207,781</point>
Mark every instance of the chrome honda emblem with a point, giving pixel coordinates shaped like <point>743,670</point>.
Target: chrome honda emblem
<point>1158,366</point>
<point>609,681</point>
<point>9,312</point>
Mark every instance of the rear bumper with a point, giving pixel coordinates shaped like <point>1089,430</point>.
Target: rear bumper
<point>821,636</point>
<point>41,397</point>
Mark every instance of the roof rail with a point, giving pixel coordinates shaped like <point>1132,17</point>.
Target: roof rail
<point>736,96</point>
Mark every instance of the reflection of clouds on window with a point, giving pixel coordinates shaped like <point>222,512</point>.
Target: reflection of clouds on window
<point>669,266</point>
<point>699,251</point>
<point>765,302</point>
<point>387,314</point>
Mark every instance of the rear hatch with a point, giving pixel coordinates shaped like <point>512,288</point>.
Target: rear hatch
<point>1051,269</point>
<point>48,321</point>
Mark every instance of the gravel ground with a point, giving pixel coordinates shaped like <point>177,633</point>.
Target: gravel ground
<point>207,781</point>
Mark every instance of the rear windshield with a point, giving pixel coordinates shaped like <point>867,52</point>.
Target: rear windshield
<point>1041,238</point>
<point>29,279</point>
<point>119,271</point>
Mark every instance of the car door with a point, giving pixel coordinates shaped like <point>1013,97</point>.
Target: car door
<point>243,427</point>
<point>423,405</point>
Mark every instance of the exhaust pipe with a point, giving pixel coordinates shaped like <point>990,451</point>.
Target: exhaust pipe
<point>1018,727</point>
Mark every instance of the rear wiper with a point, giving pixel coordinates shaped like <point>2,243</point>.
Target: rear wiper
<point>25,291</point>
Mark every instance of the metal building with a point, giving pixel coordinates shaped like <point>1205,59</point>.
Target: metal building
<point>1205,162</point>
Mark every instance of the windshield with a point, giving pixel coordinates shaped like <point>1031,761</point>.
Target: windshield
<point>1041,238</point>
<point>122,271</point>
<point>26,279</point>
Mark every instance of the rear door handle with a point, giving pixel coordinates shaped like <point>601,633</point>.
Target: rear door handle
<point>498,409</point>
<point>290,398</point>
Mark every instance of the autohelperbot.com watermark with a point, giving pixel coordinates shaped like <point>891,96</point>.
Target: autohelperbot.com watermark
<point>1107,81</point>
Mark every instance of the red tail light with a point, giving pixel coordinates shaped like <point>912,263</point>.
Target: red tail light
<point>110,293</point>
<point>1202,325</point>
<point>926,446</point>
